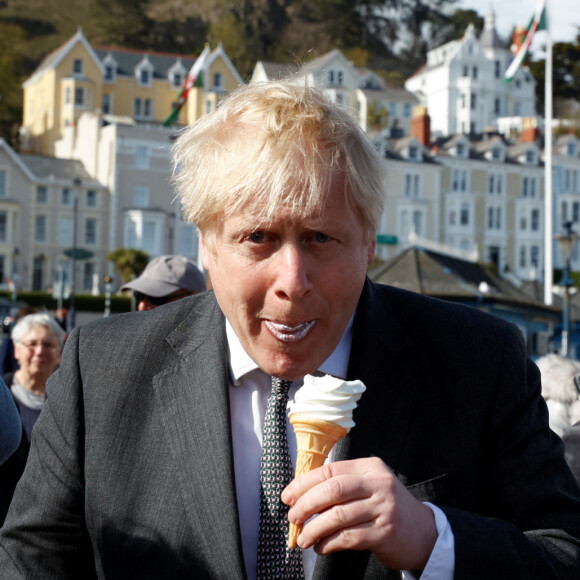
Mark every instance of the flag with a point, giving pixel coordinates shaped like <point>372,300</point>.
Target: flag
<point>538,22</point>
<point>190,81</point>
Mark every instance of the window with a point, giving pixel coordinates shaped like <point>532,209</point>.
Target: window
<point>407,110</point>
<point>177,80</point>
<point>535,220</point>
<point>91,198</point>
<point>66,231</point>
<point>497,69</point>
<point>530,157</point>
<point>490,218</point>
<point>418,222</point>
<point>491,183</point>
<point>499,183</point>
<point>37,272</point>
<point>459,182</point>
<point>141,157</point>
<point>67,97</point>
<point>141,196</point>
<point>413,152</point>
<point>41,194</point>
<point>498,218</point>
<point>464,215</point>
<point>2,183</point>
<point>40,228</point>
<point>497,106</point>
<point>137,107</point>
<point>576,212</point>
<point>473,101</point>
<point>66,196</point>
<point>109,73</point>
<point>150,236</point>
<point>77,67</point>
<point>535,256</point>
<point>79,97</point>
<point>522,256</point>
<point>465,71</point>
<point>571,149</point>
<point>463,100</point>
<point>529,187</point>
<point>88,275</point>
<point>3,226</point>
<point>148,108</point>
<point>2,270</point>
<point>496,153</point>
<point>523,223</point>
<point>91,231</point>
<point>340,77</point>
<point>107,104</point>
<point>475,71</point>
<point>564,211</point>
<point>144,77</point>
<point>412,186</point>
<point>218,81</point>
<point>460,150</point>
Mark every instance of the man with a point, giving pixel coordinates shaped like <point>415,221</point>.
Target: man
<point>146,459</point>
<point>165,279</point>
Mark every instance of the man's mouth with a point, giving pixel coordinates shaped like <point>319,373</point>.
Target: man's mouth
<point>289,333</point>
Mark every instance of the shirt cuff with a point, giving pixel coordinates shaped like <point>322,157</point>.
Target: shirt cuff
<point>441,563</point>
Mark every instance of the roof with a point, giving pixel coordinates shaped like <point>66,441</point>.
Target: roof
<point>127,60</point>
<point>45,167</point>
<point>444,276</point>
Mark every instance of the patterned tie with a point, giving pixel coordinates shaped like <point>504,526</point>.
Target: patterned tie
<point>275,560</point>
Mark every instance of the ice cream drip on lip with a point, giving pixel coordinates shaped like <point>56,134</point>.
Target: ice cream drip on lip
<point>328,398</point>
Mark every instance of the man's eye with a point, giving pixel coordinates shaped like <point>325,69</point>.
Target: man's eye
<point>321,238</point>
<point>256,237</point>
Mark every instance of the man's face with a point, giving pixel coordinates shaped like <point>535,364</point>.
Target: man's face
<point>289,286</point>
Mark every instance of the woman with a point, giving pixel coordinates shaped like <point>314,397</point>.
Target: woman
<point>38,342</point>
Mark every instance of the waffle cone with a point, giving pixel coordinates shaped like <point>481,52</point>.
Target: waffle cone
<point>314,440</point>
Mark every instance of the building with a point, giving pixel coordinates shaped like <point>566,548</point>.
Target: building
<point>140,85</point>
<point>50,206</point>
<point>462,85</point>
<point>446,276</point>
<point>106,107</point>
<point>366,93</point>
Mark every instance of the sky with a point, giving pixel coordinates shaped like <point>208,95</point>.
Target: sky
<point>563,15</point>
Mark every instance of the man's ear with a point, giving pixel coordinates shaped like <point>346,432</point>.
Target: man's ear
<point>205,253</point>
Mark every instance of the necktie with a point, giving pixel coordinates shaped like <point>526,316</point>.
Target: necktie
<point>275,560</point>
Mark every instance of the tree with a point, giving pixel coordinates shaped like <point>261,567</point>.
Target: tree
<point>566,73</point>
<point>128,262</point>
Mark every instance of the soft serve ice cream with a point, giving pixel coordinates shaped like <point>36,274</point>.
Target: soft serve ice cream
<point>321,415</point>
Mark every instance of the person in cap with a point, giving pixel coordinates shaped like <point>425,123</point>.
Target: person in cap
<point>166,279</point>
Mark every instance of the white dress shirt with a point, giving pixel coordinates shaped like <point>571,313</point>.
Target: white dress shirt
<point>249,392</point>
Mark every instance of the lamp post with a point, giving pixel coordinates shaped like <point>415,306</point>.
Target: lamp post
<point>567,242</point>
<point>72,306</point>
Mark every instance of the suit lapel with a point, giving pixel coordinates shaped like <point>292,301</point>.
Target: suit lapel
<point>193,398</point>
<point>383,357</point>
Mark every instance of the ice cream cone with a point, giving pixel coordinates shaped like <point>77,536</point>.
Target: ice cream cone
<point>314,440</point>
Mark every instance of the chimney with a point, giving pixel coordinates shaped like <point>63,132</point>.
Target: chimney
<point>421,125</point>
<point>530,132</point>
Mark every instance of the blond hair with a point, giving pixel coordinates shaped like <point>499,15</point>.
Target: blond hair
<point>275,143</point>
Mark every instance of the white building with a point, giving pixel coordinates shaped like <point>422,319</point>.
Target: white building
<point>462,84</point>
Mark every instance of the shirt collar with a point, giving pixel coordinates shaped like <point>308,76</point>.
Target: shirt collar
<point>336,364</point>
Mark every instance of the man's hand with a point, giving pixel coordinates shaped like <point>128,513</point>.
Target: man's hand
<point>361,505</point>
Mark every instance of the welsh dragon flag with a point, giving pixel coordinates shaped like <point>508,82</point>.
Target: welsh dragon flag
<point>538,22</point>
<point>190,81</point>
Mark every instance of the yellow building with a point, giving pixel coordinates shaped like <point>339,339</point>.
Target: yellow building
<point>140,85</point>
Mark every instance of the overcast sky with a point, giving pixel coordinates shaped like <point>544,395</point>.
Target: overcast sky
<point>564,15</point>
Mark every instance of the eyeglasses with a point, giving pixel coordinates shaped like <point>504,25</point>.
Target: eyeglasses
<point>160,300</point>
<point>33,345</point>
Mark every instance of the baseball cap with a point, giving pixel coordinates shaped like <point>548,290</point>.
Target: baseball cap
<point>166,274</point>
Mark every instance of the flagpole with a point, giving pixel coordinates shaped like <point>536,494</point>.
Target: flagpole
<point>548,182</point>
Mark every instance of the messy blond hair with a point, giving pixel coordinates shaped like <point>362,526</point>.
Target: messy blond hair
<point>275,143</point>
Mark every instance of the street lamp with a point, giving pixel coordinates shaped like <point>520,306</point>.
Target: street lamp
<point>72,306</point>
<point>567,242</point>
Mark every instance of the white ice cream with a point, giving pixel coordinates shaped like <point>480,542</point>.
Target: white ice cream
<point>328,398</point>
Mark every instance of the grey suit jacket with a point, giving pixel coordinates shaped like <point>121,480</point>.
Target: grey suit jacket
<point>131,470</point>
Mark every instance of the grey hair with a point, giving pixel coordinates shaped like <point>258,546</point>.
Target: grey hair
<point>25,324</point>
<point>274,143</point>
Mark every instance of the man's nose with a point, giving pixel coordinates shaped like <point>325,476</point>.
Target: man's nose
<point>293,276</point>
